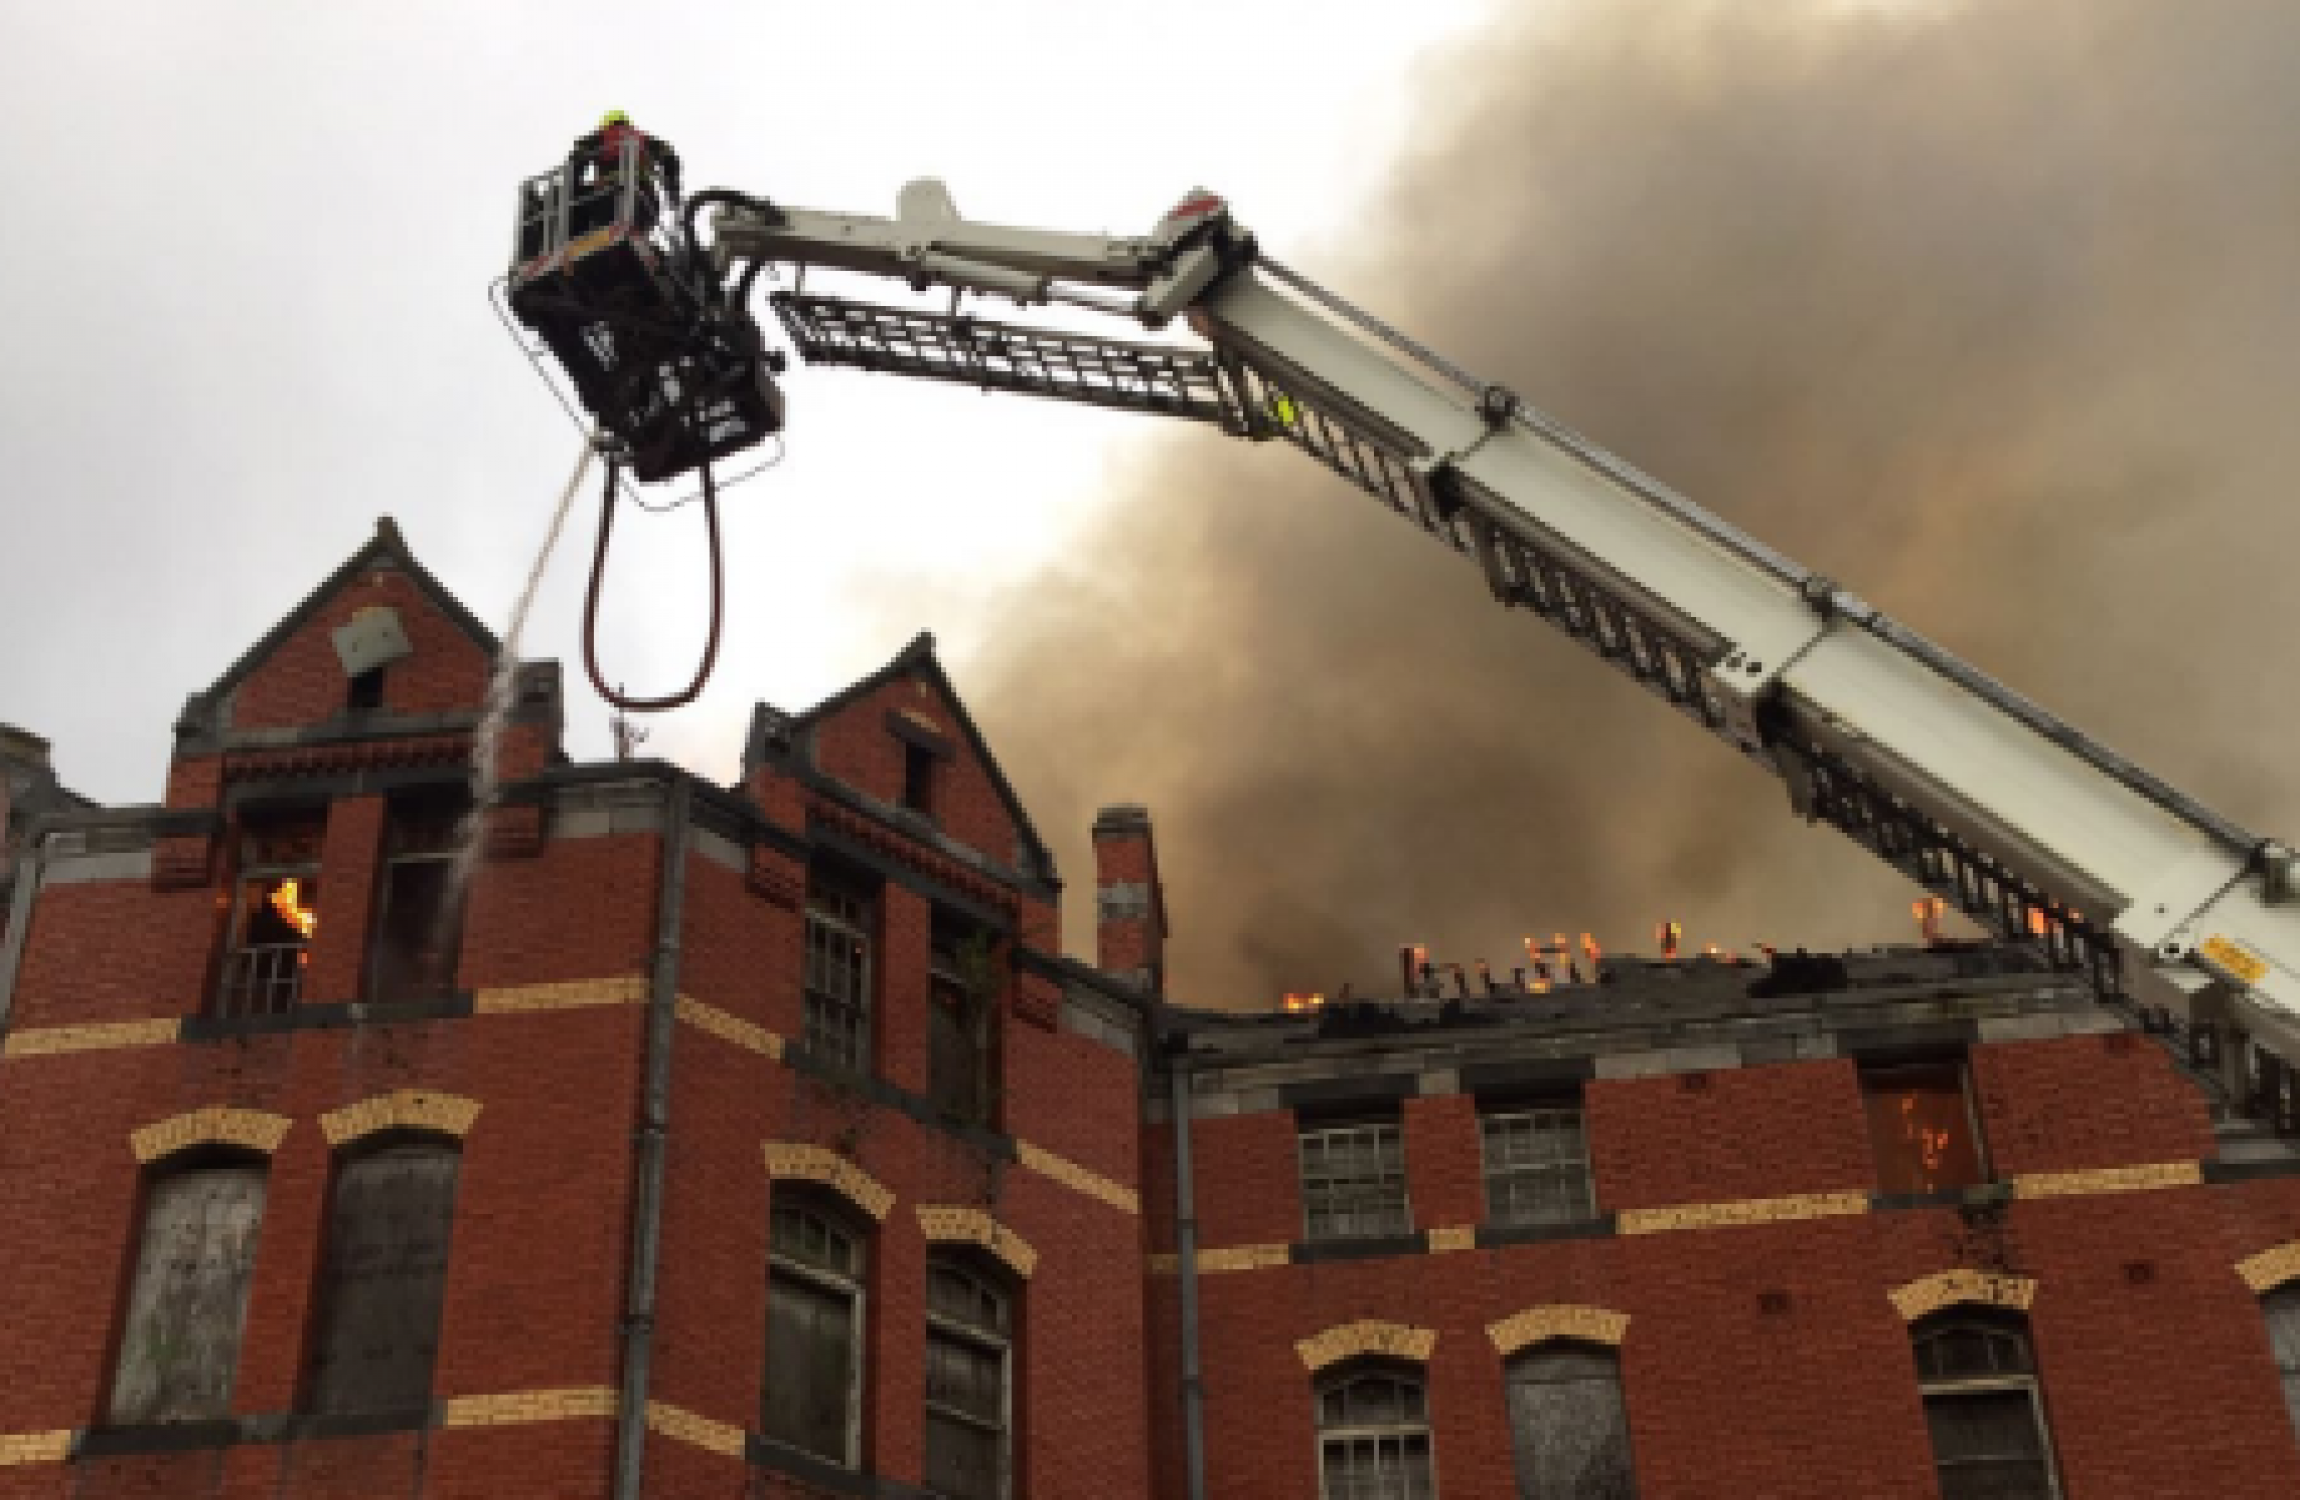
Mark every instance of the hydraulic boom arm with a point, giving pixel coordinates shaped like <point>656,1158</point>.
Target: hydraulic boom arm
<point>2015,817</point>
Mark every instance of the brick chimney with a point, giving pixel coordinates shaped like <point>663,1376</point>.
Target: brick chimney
<point>1129,904</point>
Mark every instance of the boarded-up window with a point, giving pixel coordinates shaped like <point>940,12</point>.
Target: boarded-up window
<point>384,1279</point>
<point>1374,1436</point>
<point>419,918</point>
<point>1354,1181</point>
<point>968,1345</point>
<point>1921,1127</point>
<point>1568,1425</point>
<point>181,1347</point>
<point>2282,1307</point>
<point>814,1323</point>
<point>1983,1408</point>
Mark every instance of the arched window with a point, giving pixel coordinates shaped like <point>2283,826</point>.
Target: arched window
<point>180,1348</point>
<point>1981,1403</point>
<point>383,1279</point>
<point>1568,1425</point>
<point>815,1274</point>
<point>969,1379</point>
<point>2282,1308</point>
<point>1374,1435</point>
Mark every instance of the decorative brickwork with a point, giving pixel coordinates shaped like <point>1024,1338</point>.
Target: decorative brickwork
<point>821,1164</point>
<point>1453,1237</point>
<point>216,1125</point>
<point>1072,1175</point>
<point>729,1028</point>
<point>405,1109</point>
<point>35,1447</point>
<point>509,1000</point>
<point>1929,1294</point>
<point>1367,1336</point>
<point>1520,1330</point>
<point>1745,1211</point>
<point>971,1226</point>
<point>47,1041</point>
<point>2271,1268</point>
<point>531,1406</point>
<point>681,1425</point>
<point>2108,1180</point>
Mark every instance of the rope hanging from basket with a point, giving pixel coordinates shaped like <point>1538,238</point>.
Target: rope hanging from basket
<point>591,603</point>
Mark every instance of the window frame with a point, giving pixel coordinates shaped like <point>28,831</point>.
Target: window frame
<point>248,873</point>
<point>387,863</point>
<point>2284,1301</point>
<point>1387,1133</point>
<point>152,1182</point>
<point>854,1286</point>
<point>2028,1383</point>
<point>1514,1374</point>
<point>943,969</point>
<point>1403,1431</point>
<point>921,779</point>
<point>1001,1343</point>
<point>1869,1073</point>
<point>1580,1168</point>
<point>848,912</point>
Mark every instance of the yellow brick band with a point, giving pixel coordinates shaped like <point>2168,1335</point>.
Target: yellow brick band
<point>1073,1176</point>
<point>2271,1268</point>
<point>531,1406</point>
<point>48,1041</point>
<point>684,1426</point>
<point>1929,1294</point>
<point>1244,1258</point>
<point>213,1126</point>
<point>1595,1325</point>
<point>404,1109</point>
<point>35,1447</point>
<point>1744,1211</point>
<point>1367,1336</point>
<point>1165,1265</point>
<point>971,1226</point>
<point>519,999</point>
<point>2167,1174</point>
<point>727,1028</point>
<point>1453,1237</point>
<point>786,1159</point>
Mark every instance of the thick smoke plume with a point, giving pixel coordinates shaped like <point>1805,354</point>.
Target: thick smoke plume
<point>1991,312</point>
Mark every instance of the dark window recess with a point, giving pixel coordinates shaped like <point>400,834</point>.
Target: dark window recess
<point>1568,1425</point>
<point>918,774</point>
<point>1983,1409</point>
<point>180,1348</point>
<point>838,976</point>
<point>364,691</point>
<point>962,995</point>
<point>419,919</point>
<point>384,1278</point>
<point>275,914</point>
<point>968,1334</point>
<point>1374,1436</point>
<point>814,1322</point>
<point>1922,1127</point>
<point>2282,1308</point>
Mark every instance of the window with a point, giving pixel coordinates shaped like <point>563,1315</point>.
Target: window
<point>962,1005</point>
<point>1537,1167</point>
<point>838,977</point>
<point>1354,1181</point>
<point>384,1278</point>
<point>1981,1402</point>
<point>2282,1307</point>
<point>180,1347</point>
<point>419,918</point>
<point>274,915</point>
<point>1374,1436</point>
<point>918,778</point>
<point>969,1335</point>
<point>1568,1425</point>
<point>364,691</point>
<point>814,1328</point>
<point>1921,1127</point>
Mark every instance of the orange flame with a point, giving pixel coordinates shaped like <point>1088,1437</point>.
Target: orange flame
<point>1541,986</point>
<point>1668,935</point>
<point>287,900</point>
<point>1928,911</point>
<point>1300,1002</point>
<point>2038,923</point>
<point>1590,950</point>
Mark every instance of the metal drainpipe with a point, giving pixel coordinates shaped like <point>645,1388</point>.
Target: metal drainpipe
<point>1186,1248</point>
<point>647,1148</point>
<point>33,866</point>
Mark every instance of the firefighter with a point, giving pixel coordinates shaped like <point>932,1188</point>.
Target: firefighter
<point>598,162</point>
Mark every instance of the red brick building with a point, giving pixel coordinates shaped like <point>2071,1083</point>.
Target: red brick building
<point>760,1140</point>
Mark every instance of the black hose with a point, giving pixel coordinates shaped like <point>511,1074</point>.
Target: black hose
<point>710,197</point>
<point>591,604</point>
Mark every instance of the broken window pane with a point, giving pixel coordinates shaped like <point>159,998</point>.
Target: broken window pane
<point>1982,1407</point>
<point>1537,1167</point>
<point>419,922</point>
<point>1354,1182</point>
<point>837,977</point>
<point>181,1346</point>
<point>1568,1424</point>
<point>1921,1128</point>
<point>814,1353</point>
<point>966,1376</point>
<point>384,1280</point>
<point>271,947</point>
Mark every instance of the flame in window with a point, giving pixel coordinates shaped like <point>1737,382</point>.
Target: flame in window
<point>286,899</point>
<point>1932,1142</point>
